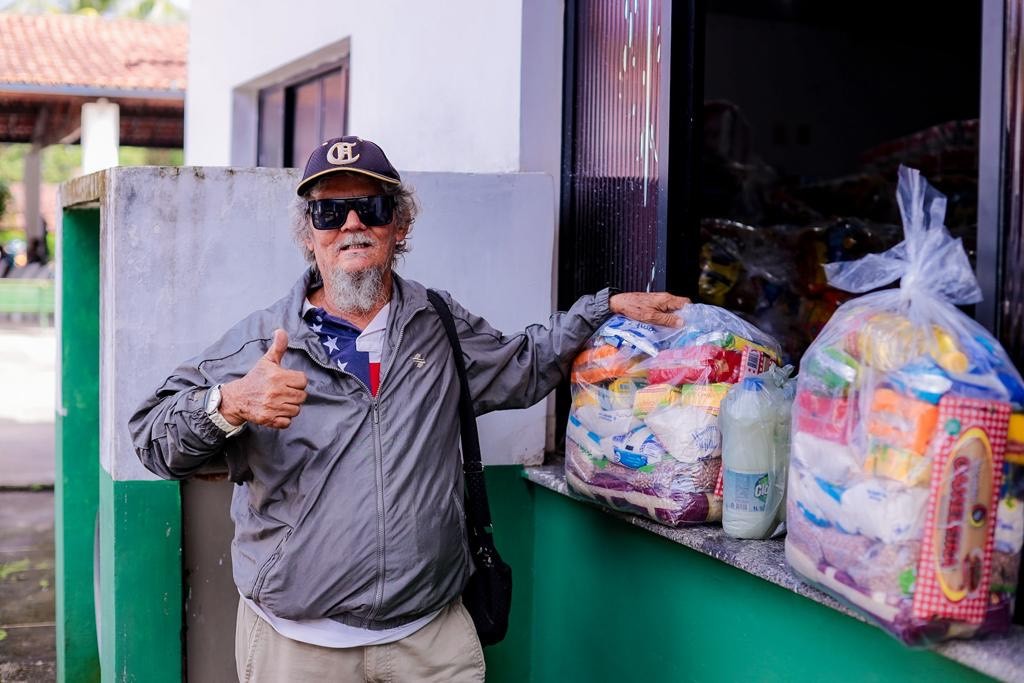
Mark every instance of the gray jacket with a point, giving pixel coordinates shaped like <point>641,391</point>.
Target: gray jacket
<point>355,511</point>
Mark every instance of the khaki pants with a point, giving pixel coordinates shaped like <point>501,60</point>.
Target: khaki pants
<point>446,649</point>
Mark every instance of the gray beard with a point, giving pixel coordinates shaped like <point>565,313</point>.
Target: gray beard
<point>359,292</point>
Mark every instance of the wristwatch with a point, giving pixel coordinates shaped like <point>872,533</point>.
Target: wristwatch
<point>212,407</point>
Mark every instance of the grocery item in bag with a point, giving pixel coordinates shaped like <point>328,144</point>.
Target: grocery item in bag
<point>755,422</point>
<point>905,491</point>
<point>643,433</point>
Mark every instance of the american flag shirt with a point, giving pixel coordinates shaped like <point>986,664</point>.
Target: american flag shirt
<point>352,350</point>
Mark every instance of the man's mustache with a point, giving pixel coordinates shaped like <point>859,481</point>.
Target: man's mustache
<point>354,241</point>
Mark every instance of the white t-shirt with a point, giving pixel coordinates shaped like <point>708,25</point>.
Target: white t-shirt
<point>330,633</point>
<point>327,632</point>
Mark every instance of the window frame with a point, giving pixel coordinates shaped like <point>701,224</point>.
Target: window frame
<point>245,109</point>
<point>285,135</point>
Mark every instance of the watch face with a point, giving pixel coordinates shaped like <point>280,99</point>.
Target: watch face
<point>213,399</point>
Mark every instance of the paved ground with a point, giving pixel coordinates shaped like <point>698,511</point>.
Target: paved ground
<point>27,633</point>
<point>27,645</point>
<point>27,388</point>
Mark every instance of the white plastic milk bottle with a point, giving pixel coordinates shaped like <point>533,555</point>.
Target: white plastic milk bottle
<point>752,490</point>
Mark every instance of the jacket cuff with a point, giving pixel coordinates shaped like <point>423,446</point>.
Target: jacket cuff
<point>601,309</point>
<point>200,423</point>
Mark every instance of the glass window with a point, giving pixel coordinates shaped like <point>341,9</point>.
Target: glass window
<point>296,116</point>
<point>305,120</point>
<point>332,104</point>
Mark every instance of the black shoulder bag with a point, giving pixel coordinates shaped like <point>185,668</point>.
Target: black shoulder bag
<point>488,595</point>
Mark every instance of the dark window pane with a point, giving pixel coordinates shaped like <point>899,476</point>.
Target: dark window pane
<point>270,149</point>
<point>333,118</point>
<point>295,117</point>
<point>804,129</point>
<point>614,182</point>
<point>306,121</point>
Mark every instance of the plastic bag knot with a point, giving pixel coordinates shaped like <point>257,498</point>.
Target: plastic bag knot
<point>929,262</point>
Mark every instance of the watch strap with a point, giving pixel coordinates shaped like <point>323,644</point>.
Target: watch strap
<point>216,418</point>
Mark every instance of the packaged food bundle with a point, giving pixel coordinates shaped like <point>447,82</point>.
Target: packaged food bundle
<point>643,432</point>
<point>905,497</point>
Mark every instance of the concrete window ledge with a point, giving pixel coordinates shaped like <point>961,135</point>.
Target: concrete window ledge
<point>999,657</point>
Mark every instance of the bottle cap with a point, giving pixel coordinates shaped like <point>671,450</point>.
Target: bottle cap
<point>753,384</point>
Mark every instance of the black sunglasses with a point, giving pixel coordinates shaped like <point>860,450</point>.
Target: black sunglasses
<point>331,214</point>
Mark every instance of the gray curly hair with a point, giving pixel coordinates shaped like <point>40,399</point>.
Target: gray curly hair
<point>406,210</point>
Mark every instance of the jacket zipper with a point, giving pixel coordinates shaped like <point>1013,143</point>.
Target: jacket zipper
<point>378,475</point>
<point>378,598</point>
<point>378,448</point>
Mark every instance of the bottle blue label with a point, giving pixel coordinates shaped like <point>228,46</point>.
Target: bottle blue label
<point>746,492</point>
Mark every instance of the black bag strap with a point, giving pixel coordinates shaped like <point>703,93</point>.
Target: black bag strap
<point>478,511</point>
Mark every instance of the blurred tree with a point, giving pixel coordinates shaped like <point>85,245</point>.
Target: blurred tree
<point>62,162</point>
<point>12,162</point>
<point>5,197</point>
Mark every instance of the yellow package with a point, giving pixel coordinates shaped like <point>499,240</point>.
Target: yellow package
<point>706,396</point>
<point>888,341</point>
<point>619,395</point>
<point>1015,440</point>
<point>586,395</point>
<point>653,397</point>
<point>900,464</point>
<point>739,343</point>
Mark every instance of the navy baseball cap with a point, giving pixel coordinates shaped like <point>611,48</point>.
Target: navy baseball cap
<point>348,154</point>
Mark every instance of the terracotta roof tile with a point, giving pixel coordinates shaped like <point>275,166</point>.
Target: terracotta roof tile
<point>63,50</point>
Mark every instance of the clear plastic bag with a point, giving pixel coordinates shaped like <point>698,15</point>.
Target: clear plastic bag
<point>902,500</point>
<point>643,432</point>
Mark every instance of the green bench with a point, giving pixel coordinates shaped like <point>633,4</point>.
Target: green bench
<point>27,296</point>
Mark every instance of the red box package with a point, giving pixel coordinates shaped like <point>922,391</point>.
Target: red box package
<point>825,417</point>
<point>704,364</point>
<point>954,569</point>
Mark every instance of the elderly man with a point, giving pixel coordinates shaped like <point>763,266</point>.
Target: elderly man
<point>337,411</point>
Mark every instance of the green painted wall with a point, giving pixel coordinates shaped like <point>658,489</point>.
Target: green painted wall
<point>511,499</point>
<point>140,522</point>
<point>611,602</point>
<point>77,459</point>
<point>140,573</point>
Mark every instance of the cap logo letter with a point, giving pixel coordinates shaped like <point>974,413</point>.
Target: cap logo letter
<point>340,154</point>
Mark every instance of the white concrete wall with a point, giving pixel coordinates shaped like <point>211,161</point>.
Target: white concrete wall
<point>436,82</point>
<point>187,252</point>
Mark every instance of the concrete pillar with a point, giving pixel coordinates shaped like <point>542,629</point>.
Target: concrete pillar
<point>101,135</point>
<point>32,178</point>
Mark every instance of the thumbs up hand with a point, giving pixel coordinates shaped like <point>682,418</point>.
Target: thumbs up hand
<point>268,394</point>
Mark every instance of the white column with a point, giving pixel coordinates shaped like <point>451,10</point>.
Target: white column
<point>101,129</point>
<point>33,225</point>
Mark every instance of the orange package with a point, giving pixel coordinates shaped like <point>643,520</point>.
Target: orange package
<point>600,364</point>
<point>901,421</point>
